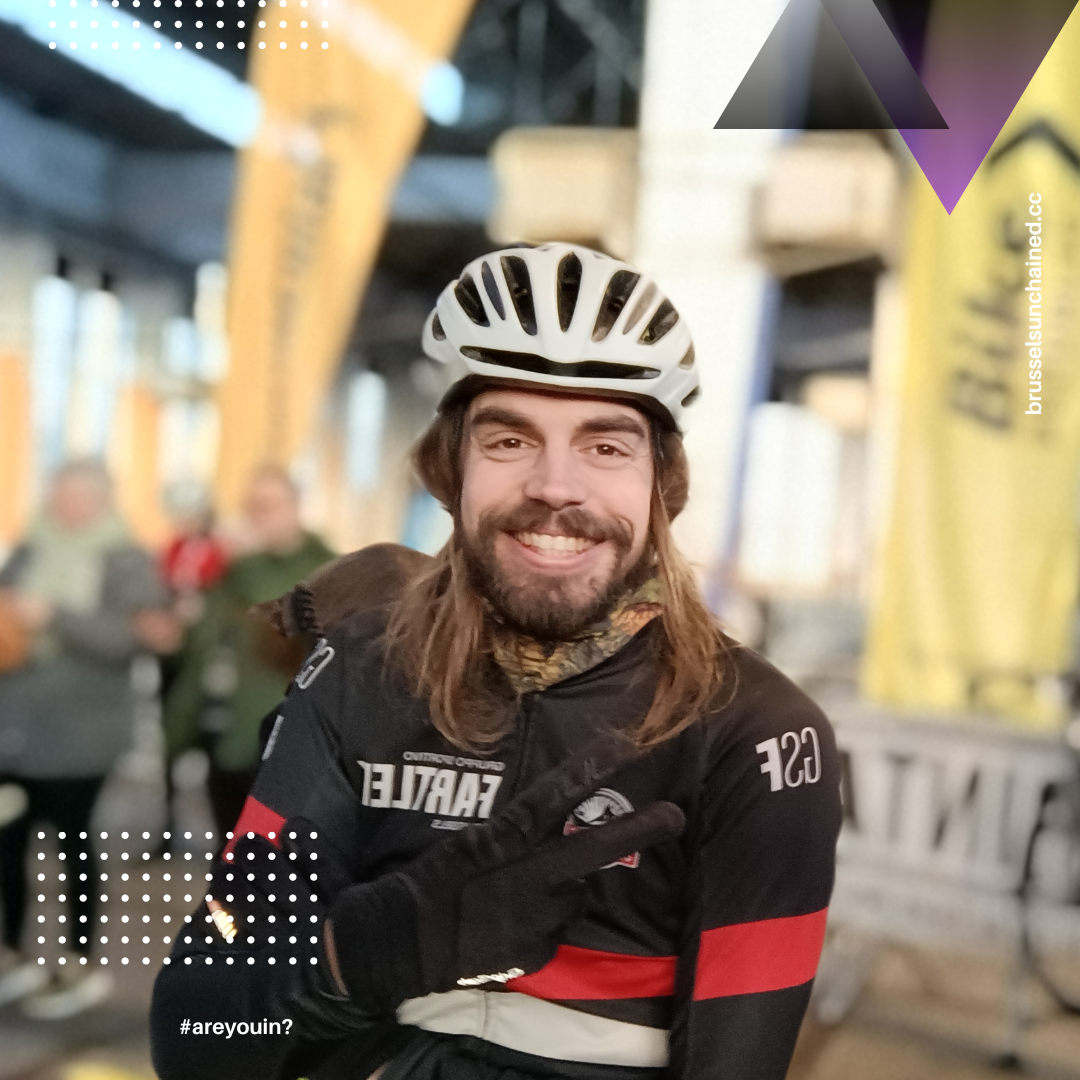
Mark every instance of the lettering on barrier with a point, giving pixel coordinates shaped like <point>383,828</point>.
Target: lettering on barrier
<point>938,821</point>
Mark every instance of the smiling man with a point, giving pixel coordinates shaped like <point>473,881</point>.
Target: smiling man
<point>525,812</point>
<point>555,511</point>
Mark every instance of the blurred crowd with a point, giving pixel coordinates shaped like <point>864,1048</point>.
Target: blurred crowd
<point>80,600</point>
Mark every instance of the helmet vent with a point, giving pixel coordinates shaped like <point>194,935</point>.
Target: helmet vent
<point>468,296</point>
<point>437,332</point>
<point>568,286</point>
<point>541,365</point>
<point>691,397</point>
<point>618,292</point>
<point>664,318</point>
<point>516,272</point>
<point>640,307</point>
<point>688,360</point>
<point>492,289</point>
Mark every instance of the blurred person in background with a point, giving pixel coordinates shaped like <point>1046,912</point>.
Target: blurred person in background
<point>233,671</point>
<point>84,599</point>
<point>192,562</point>
<point>195,559</point>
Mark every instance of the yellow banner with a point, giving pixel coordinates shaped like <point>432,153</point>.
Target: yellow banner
<point>16,444</point>
<point>135,461</point>
<point>978,578</point>
<point>340,82</point>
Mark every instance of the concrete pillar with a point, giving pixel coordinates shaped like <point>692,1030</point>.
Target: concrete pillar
<point>693,231</point>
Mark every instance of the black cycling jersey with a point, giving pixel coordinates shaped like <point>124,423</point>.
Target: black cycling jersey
<point>693,959</point>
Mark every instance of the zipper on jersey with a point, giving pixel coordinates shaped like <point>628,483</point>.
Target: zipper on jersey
<point>523,732</point>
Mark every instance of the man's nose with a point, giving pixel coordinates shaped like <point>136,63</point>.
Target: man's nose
<point>555,479</point>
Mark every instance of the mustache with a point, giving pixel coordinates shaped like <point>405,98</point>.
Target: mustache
<point>534,516</point>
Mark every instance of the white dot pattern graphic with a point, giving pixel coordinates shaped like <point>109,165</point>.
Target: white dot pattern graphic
<point>144,901</point>
<point>129,31</point>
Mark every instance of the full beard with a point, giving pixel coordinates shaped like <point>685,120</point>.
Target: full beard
<point>548,607</point>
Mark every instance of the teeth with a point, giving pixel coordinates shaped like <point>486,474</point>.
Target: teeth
<point>547,543</point>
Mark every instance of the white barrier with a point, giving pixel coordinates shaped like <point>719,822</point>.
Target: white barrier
<point>938,822</point>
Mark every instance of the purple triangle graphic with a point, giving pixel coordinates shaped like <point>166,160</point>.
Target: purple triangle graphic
<point>979,58</point>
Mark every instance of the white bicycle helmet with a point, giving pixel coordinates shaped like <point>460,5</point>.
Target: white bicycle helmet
<point>564,317</point>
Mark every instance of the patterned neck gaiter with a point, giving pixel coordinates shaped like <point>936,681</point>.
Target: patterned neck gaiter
<point>532,665</point>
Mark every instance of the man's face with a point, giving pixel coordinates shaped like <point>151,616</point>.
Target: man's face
<point>273,514</point>
<point>76,501</point>
<point>554,506</point>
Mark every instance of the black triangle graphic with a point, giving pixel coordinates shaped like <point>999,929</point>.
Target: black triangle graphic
<point>806,75</point>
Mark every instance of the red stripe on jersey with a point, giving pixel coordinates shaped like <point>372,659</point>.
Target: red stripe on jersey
<point>255,818</point>
<point>577,974</point>
<point>755,957</point>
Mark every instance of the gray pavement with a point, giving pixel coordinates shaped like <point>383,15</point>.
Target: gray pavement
<point>936,1014</point>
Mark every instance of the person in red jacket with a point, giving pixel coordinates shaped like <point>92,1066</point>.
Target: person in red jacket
<point>194,560</point>
<point>525,811</point>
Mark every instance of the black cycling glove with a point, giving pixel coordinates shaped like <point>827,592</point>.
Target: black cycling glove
<point>490,902</point>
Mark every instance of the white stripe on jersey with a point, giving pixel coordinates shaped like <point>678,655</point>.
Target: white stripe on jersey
<point>534,1026</point>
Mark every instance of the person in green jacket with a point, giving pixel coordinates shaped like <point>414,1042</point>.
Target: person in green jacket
<point>234,670</point>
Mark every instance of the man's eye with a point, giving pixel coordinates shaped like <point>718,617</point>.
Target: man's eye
<point>508,444</point>
<point>607,450</point>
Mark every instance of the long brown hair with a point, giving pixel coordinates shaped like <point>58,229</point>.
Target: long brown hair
<point>440,630</point>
